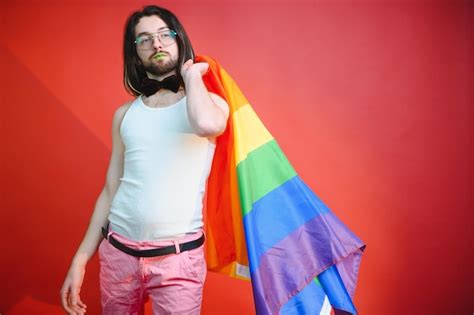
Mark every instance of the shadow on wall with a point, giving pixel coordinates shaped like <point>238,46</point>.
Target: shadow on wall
<point>51,158</point>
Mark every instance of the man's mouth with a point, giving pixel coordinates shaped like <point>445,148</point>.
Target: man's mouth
<point>160,55</point>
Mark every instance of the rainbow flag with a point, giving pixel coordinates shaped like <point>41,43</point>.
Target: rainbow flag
<point>264,223</point>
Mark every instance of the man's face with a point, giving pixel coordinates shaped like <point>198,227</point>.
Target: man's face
<point>159,59</point>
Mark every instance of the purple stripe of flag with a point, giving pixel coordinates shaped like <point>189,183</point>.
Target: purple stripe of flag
<point>290,265</point>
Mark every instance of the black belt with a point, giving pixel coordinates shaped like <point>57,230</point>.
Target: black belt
<point>152,252</point>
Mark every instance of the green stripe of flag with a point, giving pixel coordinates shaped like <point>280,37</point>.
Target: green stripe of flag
<point>317,281</point>
<point>264,169</point>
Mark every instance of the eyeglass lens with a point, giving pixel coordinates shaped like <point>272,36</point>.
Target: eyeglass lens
<point>145,42</point>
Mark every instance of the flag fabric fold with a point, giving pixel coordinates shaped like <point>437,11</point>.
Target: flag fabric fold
<point>264,223</point>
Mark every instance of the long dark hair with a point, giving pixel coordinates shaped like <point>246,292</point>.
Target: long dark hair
<point>133,71</point>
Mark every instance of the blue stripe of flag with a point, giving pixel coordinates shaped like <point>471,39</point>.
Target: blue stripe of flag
<point>277,214</point>
<point>333,285</point>
<point>308,301</point>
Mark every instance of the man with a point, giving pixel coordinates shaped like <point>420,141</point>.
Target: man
<point>162,148</point>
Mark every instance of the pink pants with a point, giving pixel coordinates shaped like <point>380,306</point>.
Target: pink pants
<point>173,282</point>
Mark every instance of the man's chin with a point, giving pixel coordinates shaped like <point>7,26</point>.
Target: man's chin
<point>160,70</point>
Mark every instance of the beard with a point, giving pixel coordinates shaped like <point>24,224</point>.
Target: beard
<point>161,68</point>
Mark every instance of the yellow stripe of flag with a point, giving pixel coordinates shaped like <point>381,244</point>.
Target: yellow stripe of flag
<point>252,136</point>
<point>236,99</point>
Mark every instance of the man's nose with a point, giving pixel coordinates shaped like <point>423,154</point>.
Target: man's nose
<point>157,43</point>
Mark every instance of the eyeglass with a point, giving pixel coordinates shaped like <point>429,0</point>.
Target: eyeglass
<point>145,42</point>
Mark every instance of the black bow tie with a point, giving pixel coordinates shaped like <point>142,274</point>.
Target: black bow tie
<point>150,86</point>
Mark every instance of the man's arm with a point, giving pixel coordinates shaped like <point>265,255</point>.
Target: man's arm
<point>207,112</point>
<point>72,284</point>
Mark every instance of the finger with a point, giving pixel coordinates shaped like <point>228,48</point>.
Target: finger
<point>78,310</point>
<point>74,297</point>
<point>75,309</point>
<point>186,65</point>
<point>81,304</point>
<point>65,301</point>
<point>188,62</point>
<point>77,303</point>
<point>205,67</point>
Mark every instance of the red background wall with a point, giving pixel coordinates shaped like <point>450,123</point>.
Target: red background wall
<point>372,102</point>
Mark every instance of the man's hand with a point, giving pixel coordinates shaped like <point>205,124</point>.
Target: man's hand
<point>190,69</point>
<point>70,298</point>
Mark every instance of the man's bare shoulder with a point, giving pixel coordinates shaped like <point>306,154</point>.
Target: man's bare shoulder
<point>120,112</point>
<point>122,109</point>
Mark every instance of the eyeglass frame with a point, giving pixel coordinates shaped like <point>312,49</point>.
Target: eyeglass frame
<point>154,35</point>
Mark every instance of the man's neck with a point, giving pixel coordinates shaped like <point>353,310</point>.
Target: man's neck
<point>160,77</point>
<point>163,98</point>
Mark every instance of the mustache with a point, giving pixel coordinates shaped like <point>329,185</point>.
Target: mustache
<point>158,53</point>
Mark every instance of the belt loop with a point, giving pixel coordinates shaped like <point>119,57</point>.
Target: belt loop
<point>109,230</point>
<point>176,245</point>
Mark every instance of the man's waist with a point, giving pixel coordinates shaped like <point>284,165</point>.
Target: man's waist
<point>153,248</point>
<point>156,231</point>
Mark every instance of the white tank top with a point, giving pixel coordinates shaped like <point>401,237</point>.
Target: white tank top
<point>166,166</point>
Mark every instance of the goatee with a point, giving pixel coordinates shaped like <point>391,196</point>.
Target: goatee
<point>159,69</point>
